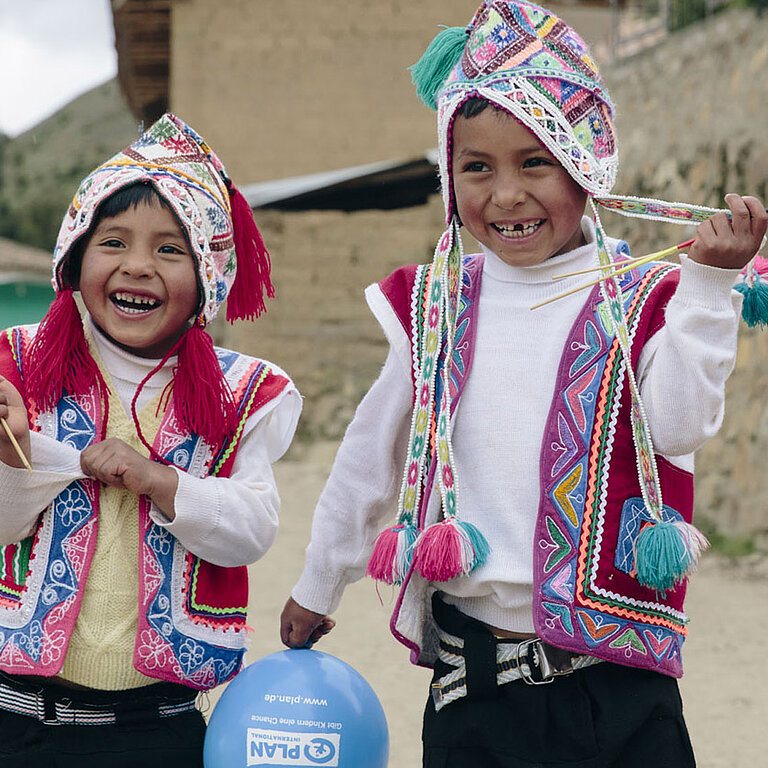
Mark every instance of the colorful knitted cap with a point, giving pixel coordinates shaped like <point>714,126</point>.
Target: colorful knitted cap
<point>230,259</point>
<point>191,179</point>
<point>532,65</point>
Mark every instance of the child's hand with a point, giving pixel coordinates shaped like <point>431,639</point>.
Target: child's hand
<point>729,243</point>
<point>298,626</point>
<point>13,410</point>
<point>116,464</point>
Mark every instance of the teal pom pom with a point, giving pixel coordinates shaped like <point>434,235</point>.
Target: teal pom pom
<point>754,311</point>
<point>665,553</point>
<point>432,69</point>
<point>478,545</point>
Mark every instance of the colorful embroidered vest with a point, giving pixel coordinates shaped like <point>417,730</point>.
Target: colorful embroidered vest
<point>586,597</point>
<point>191,613</point>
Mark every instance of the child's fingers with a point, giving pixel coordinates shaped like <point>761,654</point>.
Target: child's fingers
<point>758,216</point>
<point>299,625</point>
<point>740,215</point>
<point>101,461</point>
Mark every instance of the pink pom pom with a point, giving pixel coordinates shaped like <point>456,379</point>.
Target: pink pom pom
<point>392,553</point>
<point>449,549</point>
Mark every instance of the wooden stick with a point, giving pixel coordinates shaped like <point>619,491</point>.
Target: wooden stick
<point>628,268</point>
<point>15,444</point>
<point>634,262</point>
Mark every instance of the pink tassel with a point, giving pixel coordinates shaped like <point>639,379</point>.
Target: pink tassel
<point>392,554</point>
<point>59,360</point>
<point>202,398</point>
<point>252,279</point>
<point>449,549</point>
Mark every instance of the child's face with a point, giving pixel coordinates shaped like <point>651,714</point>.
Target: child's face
<point>138,279</point>
<point>512,195</point>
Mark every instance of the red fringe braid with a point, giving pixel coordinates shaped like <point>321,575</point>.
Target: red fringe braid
<point>58,358</point>
<point>252,279</point>
<point>202,398</point>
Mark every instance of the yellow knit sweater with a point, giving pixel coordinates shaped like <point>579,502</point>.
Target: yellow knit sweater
<point>100,653</point>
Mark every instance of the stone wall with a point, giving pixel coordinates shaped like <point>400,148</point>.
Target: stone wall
<point>691,125</point>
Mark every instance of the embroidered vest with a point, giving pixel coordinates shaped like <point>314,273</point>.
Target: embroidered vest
<point>585,595</point>
<point>191,613</point>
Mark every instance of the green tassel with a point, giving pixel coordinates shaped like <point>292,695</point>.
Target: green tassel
<point>666,553</point>
<point>754,311</point>
<point>432,69</point>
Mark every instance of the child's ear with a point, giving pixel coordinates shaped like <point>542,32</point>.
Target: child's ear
<point>71,269</point>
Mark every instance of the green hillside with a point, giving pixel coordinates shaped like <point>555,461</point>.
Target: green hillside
<point>41,168</point>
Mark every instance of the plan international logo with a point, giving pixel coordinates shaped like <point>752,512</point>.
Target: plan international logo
<point>287,748</point>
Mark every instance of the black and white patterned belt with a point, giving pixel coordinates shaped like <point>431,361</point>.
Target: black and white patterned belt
<point>473,662</point>
<point>62,709</point>
<point>529,660</point>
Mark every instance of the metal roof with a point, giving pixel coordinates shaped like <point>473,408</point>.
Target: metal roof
<point>23,262</point>
<point>382,185</point>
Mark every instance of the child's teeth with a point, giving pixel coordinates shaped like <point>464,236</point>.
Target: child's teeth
<point>519,230</point>
<point>130,303</point>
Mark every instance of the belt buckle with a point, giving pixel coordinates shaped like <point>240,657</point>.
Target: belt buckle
<point>531,653</point>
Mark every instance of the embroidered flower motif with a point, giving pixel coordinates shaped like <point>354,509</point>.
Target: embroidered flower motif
<point>159,540</point>
<point>502,35</point>
<point>486,52</point>
<point>152,650</point>
<point>176,144</point>
<point>146,140</point>
<point>71,506</point>
<point>191,655</point>
<point>54,645</point>
<point>31,642</point>
<point>217,219</point>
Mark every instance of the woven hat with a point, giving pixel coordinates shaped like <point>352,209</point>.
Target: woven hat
<point>532,65</point>
<point>191,179</point>
<point>230,260</point>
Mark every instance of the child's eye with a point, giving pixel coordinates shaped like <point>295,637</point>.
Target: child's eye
<point>476,166</point>
<point>111,243</point>
<point>171,249</point>
<point>537,162</point>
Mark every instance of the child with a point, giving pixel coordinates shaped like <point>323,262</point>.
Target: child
<point>123,587</point>
<point>532,542</point>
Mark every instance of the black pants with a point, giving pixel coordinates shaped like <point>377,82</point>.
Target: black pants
<point>139,738</point>
<point>604,716</point>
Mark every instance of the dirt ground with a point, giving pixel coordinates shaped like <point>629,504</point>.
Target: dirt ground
<point>726,674</point>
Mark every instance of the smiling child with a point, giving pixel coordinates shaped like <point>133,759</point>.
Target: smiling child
<point>543,532</point>
<point>123,591</point>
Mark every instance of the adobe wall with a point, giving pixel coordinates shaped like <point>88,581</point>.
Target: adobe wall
<point>289,87</point>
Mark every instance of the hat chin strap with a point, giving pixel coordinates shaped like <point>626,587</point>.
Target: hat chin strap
<point>450,547</point>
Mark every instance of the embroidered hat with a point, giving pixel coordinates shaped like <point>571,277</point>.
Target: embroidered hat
<point>191,179</point>
<point>230,260</point>
<point>532,65</point>
<point>527,62</point>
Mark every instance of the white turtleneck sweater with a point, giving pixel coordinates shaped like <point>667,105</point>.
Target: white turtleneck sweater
<point>500,420</point>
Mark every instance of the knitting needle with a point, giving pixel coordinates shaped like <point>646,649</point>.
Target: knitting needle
<point>635,263</point>
<point>16,446</point>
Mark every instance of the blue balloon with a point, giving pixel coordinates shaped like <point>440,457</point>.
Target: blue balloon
<point>297,708</point>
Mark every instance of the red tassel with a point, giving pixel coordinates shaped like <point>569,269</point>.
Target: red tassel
<point>252,280</point>
<point>202,398</point>
<point>59,360</point>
